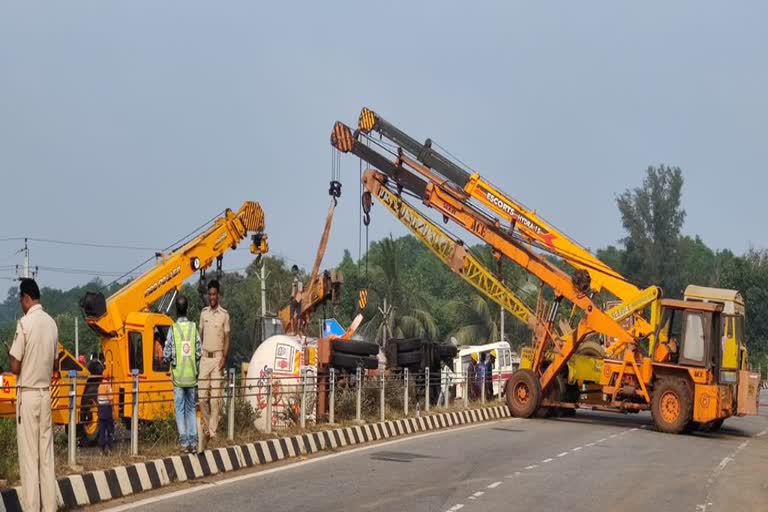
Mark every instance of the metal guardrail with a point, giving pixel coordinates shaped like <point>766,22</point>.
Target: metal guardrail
<point>398,392</point>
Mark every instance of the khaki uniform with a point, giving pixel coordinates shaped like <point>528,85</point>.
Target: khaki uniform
<point>214,325</point>
<point>36,346</point>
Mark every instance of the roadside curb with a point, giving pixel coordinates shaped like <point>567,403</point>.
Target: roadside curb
<point>105,485</point>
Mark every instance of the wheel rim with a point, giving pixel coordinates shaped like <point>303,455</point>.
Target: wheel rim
<point>521,393</point>
<point>670,407</point>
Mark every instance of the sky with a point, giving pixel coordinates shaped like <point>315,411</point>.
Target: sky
<point>131,123</point>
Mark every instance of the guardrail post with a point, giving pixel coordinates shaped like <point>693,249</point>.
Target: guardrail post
<point>332,397</point>
<point>135,414</point>
<point>231,413</point>
<point>303,404</point>
<point>382,399</point>
<point>426,389</point>
<point>466,390</point>
<point>359,379</point>
<point>72,434</point>
<point>268,425</point>
<point>447,390</point>
<point>405,392</point>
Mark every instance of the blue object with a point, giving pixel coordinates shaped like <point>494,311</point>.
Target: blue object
<point>331,327</point>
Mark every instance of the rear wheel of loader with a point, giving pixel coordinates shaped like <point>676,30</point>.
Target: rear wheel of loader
<point>523,393</point>
<point>671,406</point>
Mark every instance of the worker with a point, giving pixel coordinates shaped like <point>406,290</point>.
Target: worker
<point>184,361</point>
<point>33,359</point>
<point>106,420</point>
<point>471,376</point>
<point>490,362</point>
<point>297,287</point>
<point>214,331</point>
<point>157,354</point>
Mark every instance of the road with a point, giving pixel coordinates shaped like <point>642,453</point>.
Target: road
<point>591,462</point>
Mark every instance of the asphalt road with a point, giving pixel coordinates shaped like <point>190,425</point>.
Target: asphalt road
<point>588,463</point>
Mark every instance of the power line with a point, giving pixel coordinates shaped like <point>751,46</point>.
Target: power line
<point>97,245</point>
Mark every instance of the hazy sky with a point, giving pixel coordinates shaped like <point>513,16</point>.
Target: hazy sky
<point>134,122</point>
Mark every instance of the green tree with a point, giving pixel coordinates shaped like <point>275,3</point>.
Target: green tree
<point>653,216</point>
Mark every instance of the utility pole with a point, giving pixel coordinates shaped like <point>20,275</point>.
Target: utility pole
<point>263,297</point>
<point>502,323</point>
<point>25,273</point>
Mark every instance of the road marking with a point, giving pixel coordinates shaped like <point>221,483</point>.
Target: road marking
<point>576,449</point>
<point>456,507</point>
<point>716,473</point>
<point>612,436</point>
<point>478,494</point>
<point>761,434</point>
<point>562,454</point>
<point>206,486</point>
<point>590,444</point>
<point>633,429</point>
<point>495,485</point>
<point>545,461</point>
<point>532,466</point>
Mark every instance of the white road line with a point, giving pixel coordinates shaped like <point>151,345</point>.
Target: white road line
<point>494,485</point>
<point>761,434</point>
<point>716,473</point>
<point>456,507</point>
<point>590,444</point>
<point>532,466</point>
<point>545,461</point>
<point>576,449</point>
<point>612,436</point>
<point>478,494</point>
<point>201,486</point>
<point>633,429</point>
<point>602,440</point>
<point>562,454</point>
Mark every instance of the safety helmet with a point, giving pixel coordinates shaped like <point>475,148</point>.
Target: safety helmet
<point>494,354</point>
<point>473,355</point>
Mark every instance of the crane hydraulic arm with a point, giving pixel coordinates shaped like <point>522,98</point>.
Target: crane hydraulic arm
<point>453,204</point>
<point>107,317</point>
<point>518,216</point>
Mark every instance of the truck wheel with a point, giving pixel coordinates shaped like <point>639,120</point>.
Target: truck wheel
<point>408,344</point>
<point>523,393</point>
<point>360,348</point>
<point>351,362</point>
<point>671,405</point>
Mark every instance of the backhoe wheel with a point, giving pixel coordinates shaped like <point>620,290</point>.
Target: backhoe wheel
<point>523,393</point>
<point>671,406</point>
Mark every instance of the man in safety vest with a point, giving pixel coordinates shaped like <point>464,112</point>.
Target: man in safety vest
<point>182,351</point>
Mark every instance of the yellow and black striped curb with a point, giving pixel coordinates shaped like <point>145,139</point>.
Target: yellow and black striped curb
<point>104,485</point>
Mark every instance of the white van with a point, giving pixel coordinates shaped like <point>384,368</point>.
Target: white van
<point>506,363</point>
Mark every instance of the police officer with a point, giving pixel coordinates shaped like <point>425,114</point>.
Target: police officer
<point>214,331</point>
<point>33,359</point>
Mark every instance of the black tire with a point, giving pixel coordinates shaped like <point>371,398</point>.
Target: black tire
<point>359,348</point>
<point>555,393</point>
<point>447,351</point>
<point>409,358</point>
<point>671,405</point>
<point>351,361</point>
<point>523,393</point>
<point>408,344</point>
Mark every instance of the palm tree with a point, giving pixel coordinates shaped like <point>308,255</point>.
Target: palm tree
<point>481,324</point>
<point>407,309</point>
